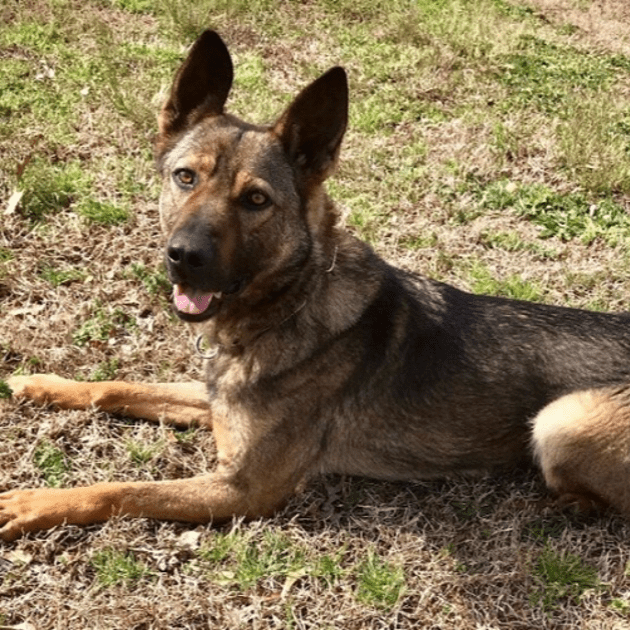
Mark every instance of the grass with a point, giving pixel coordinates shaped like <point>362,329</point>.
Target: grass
<point>380,583</point>
<point>103,212</point>
<point>240,560</point>
<point>102,326</point>
<point>51,188</point>
<point>564,216</point>
<point>562,575</point>
<point>51,462</point>
<point>141,453</point>
<point>488,146</point>
<point>547,75</point>
<point>5,390</point>
<point>105,371</point>
<point>57,277</point>
<point>114,568</point>
<point>514,286</point>
<point>155,281</point>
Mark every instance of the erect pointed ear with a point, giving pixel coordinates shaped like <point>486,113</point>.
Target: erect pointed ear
<point>200,87</point>
<point>312,127</point>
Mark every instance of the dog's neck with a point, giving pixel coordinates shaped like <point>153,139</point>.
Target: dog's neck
<point>322,298</point>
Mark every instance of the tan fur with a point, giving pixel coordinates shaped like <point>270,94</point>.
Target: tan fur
<point>181,404</point>
<point>582,444</point>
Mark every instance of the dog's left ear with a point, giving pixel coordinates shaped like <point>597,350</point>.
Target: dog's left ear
<point>201,85</point>
<point>312,127</point>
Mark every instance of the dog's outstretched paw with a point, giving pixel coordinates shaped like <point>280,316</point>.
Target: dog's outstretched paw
<point>40,388</point>
<point>17,513</point>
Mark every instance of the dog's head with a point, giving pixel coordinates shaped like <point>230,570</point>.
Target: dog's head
<point>242,206</point>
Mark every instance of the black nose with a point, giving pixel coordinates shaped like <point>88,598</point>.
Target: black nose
<point>181,257</point>
<point>190,255</point>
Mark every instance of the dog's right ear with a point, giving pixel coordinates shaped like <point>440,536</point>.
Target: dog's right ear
<point>200,88</point>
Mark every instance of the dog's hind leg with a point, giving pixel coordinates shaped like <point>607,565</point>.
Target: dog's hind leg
<point>182,404</point>
<point>582,443</point>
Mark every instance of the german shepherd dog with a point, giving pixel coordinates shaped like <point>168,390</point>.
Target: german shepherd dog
<point>326,359</point>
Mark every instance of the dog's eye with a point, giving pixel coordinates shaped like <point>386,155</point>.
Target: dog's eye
<point>256,200</point>
<point>184,178</point>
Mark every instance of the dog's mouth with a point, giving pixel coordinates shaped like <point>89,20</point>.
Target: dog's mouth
<point>195,305</point>
<point>190,301</point>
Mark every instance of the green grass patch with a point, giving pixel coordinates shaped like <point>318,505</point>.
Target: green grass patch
<point>39,91</point>
<point>30,32</point>
<point>253,94</point>
<point>106,370</point>
<point>103,325</point>
<point>119,72</point>
<point>155,281</point>
<point>142,453</point>
<point>187,436</point>
<point>58,277</point>
<point>187,18</point>
<point>594,144</point>
<point>421,241</point>
<point>51,462</point>
<point>135,6</point>
<point>512,286</point>
<point>544,75</point>
<point>103,212</point>
<point>561,576</point>
<point>275,557</point>
<point>508,241</point>
<point>5,390</point>
<point>366,217</point>
<point>221,546</point>
<point>115,568</point>
<point>512,242</point>
<point>329,567</point>
<point>50,188</point>
<point>242,560</point>
<point>379,583</point>
<point>621,606</point>
<point>565,216</point>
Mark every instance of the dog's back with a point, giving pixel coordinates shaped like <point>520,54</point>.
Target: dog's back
<point>445,381</point>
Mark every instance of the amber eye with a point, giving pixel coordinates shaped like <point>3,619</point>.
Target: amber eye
<point>256,200</point>
<point>184,177</point>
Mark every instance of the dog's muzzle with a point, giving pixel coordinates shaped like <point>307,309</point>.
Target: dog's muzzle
<point>193,268</point>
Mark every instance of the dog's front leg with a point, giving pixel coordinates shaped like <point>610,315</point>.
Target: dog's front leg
<point>209,498</point>
<point>182,404</point>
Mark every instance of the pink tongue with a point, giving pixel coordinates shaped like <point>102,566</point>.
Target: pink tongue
<point>191,302</point>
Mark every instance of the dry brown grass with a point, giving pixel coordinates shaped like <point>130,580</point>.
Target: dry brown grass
<point>601,24</point>
<point>468,549</point>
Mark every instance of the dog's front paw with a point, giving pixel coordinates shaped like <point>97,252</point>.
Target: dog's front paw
<point>39,388</point>
<point>19,513</point>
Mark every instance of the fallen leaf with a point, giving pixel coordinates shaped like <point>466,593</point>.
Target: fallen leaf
<point>14,201</point>
<point>27,310</point>
<point>190,539</point>
<point>19,557</point>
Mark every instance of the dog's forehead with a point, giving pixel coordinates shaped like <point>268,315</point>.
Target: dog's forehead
<point>235,148</point>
